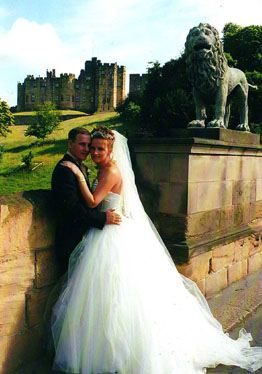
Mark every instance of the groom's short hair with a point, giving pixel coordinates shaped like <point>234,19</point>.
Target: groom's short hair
<point>75,131</point>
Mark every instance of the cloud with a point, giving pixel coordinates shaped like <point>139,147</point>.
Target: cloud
<point>28,48</point>
<point>31,44</point>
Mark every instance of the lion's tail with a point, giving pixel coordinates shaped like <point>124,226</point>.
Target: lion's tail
<point>250,85</point>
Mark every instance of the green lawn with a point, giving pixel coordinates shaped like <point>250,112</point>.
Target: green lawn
<point>61,113</point>
<point>13,178</point>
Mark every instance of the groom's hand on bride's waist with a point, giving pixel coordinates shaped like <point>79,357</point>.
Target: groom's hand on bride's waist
<point>112,218</point>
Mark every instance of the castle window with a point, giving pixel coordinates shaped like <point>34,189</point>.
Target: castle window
<point>103,72</point>
<point>73,98</point>
<point>88,78</point>
<point>88,87</point>
<point>77,98</point>
<point>56,98</point>
<point>57,85</point>
<point>67,98</point>
<point>44,84</point>
<point>62,98</point>
<point>92,99</point>
<point>77,86</point>
<point>43,98</point>
<point>34,84</point>
<point>32,97</point>
<point>84,99</point>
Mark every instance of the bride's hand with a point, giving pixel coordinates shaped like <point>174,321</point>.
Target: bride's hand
<point>72,167</point>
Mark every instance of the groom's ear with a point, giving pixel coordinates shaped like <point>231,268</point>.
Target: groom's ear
<point>69,143</point>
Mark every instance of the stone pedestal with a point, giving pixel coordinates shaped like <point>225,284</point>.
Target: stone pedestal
<point>203,190</point>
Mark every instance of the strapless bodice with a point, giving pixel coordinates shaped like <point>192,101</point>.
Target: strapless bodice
<point>111,201</point>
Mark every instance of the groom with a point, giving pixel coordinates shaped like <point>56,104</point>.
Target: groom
<point>73,215</point>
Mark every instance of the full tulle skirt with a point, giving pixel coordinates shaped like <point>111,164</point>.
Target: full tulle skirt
<point>126,309</point>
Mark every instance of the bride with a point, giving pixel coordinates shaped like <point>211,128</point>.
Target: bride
<point>125,308</point>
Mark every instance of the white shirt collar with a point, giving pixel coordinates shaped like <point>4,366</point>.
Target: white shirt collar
<point>74,158</point>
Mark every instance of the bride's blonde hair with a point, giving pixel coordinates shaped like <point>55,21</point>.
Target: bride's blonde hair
<point>103,132</point>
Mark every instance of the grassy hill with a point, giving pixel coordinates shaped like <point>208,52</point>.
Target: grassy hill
<point>13,177</point>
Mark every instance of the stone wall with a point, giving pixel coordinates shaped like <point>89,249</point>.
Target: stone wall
<point>27,273</point>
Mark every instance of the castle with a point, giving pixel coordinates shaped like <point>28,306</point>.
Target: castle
<point>137,82</point>
<point>99,87</point>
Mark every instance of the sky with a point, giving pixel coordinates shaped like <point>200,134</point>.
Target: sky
<point>40,35</point>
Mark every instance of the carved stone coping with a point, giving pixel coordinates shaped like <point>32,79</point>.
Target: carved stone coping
<point>215,138</point>
<point>182,251</point>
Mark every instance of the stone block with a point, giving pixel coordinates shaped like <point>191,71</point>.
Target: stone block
<point>144,165</point>
<point>15,229</point>
<point>35,305</point>
<point>206,168</point>
<point>197,268</point>
<point>20,349</point>
<point>17,268</point>
<point>216,282</point>
<point>237,271</point>
<point>178,168</point>
<point>255,210</point>
<point>255,262</point>
<point>233,167</point>
<point>242,214</point>
<point>210,221</point>
<point>46,268</point>
<point>258,189</point>
<point>173,198</point>
<point>202,286</point>
<point>254,244</point>
<point>12,312</point>
<point>213,195</point>
<point>244,192</point>
<point>258,163</point>
<point>28,225</point>
<point>247,167</point>
<point>169,225</point>
<point>4,212</point>
<point>241,249</point>
<point>222,256</point>
<point>162,172</point>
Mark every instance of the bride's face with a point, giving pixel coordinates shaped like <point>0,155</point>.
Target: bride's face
<point>100,151</point>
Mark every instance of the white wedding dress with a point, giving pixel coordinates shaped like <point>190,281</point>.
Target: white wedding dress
<point>126,309</point>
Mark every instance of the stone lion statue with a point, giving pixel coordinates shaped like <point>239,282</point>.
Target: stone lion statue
<point>213,80</point>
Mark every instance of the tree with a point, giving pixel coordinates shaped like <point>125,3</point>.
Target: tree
<point>244,45</point>
<point>46,120</point>
<point>6,118</point>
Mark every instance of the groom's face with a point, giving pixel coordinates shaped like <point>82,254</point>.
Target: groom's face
<point>80,146</point>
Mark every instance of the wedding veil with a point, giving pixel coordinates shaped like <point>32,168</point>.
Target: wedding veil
<point>132,206</point>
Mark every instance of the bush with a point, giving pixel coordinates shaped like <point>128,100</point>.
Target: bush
<point>28,160</point>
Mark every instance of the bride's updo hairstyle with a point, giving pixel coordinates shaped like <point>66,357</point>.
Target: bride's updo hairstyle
<point>102,132</point>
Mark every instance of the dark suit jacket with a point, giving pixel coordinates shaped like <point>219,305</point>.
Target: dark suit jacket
<point>73,215</point>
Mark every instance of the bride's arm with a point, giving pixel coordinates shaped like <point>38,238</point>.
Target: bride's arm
<point>105,184</point>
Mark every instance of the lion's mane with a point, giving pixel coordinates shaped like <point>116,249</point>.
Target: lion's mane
<point>205,71</point>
